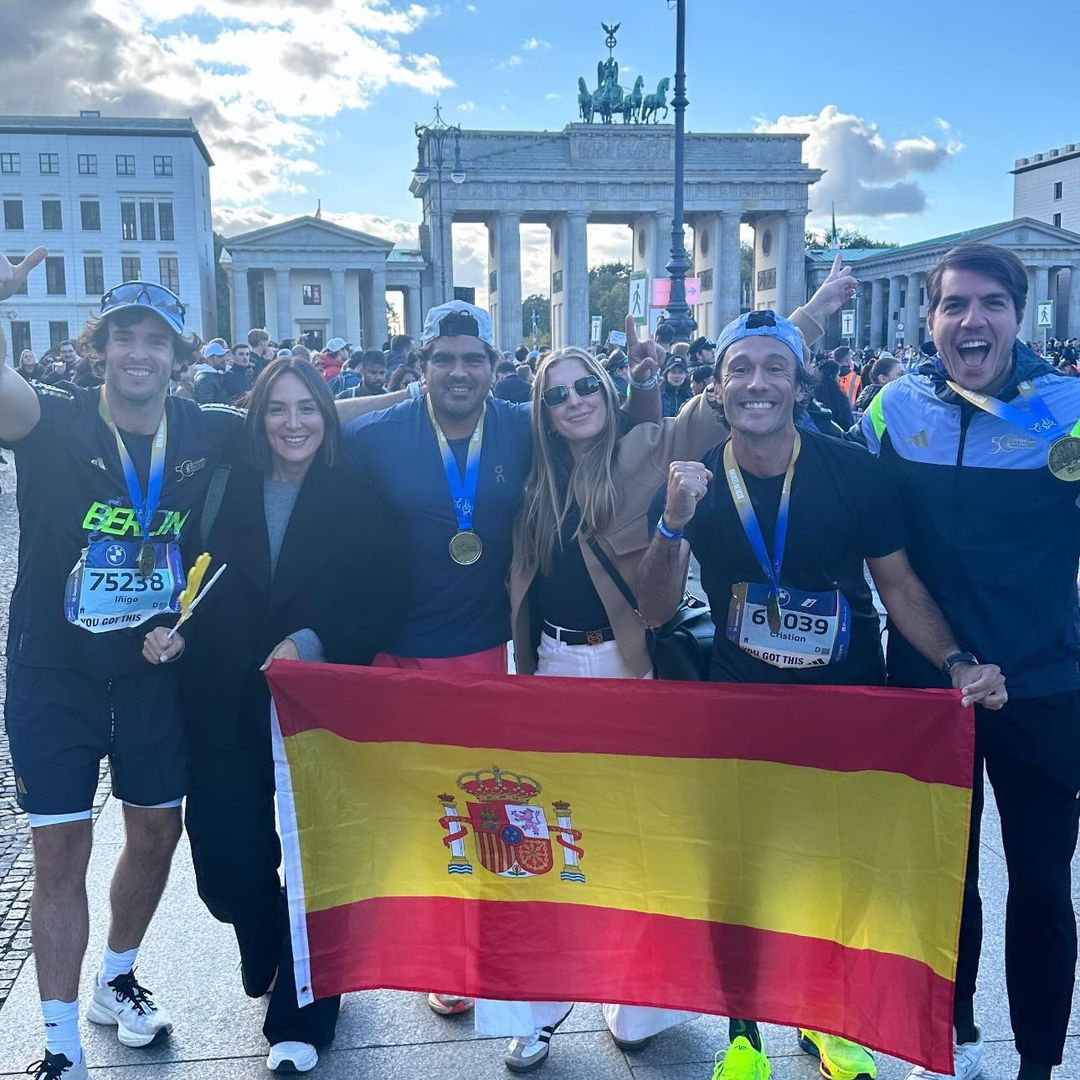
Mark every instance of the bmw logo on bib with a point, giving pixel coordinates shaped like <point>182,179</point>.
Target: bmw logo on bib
<point>116,555</point>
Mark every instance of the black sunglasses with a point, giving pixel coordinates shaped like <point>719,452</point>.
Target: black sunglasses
<point>153,296</point>
<point>554,396</point>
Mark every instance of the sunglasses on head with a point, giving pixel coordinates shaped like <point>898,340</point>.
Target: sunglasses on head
<point>146,293</point>
<point>554,396</point>
<point>458,324</point>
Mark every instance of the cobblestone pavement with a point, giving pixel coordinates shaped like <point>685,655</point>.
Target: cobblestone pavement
<point>16,863</point>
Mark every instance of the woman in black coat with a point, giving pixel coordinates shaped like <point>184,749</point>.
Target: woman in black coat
<point>314,573</point>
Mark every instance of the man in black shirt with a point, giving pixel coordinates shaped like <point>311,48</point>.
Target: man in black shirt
<point>781,534</point>
<point>111,483</point>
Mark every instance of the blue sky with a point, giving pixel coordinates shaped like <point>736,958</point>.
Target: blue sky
<point>917,110</point>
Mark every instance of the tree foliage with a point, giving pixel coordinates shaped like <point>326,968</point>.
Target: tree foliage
<point>542,306</point>
<point>609,295</point>
<point>818,240</point>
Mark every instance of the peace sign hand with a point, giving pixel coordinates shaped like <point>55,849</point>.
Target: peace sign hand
<point>12,278</point>
<point>646,357</point>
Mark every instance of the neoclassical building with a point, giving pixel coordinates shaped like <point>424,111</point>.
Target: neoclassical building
<point>310,276</point>
<point>892,300</point>
<point>619,174</point>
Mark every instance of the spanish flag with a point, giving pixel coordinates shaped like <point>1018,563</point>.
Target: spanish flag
<point>779,853</point>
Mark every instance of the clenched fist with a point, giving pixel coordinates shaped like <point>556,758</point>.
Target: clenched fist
<point>687,483</point>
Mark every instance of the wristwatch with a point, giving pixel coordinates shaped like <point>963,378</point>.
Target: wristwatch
<point>955,658</point>
<point>649,384</point>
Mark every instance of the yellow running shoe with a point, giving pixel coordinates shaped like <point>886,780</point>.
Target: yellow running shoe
<point>741,1062</point>
<point>838,1059</point>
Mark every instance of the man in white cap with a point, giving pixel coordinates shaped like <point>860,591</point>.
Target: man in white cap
<point>333,357</point>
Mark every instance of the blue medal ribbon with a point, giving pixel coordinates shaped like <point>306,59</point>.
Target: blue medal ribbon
<point>741,497</point>
<point>462,490</point>
<point>1036,419</point>
<point>144,507</point>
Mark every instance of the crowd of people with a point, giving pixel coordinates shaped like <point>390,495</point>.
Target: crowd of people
<point>419,507</point>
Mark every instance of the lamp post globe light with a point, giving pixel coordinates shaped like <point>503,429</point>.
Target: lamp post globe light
<point>678,315</point>
<point>431,150</point>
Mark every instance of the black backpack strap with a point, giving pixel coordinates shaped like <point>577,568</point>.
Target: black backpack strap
<point>215,495</point>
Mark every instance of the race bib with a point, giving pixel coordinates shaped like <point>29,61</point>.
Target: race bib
<point>815,627</point>
<point>105,590</point>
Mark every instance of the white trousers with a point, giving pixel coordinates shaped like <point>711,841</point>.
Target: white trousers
<point>525,1019</point>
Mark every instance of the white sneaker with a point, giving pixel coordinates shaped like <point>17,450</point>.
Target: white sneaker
<point>57,1067</point>
<point>292,1057</point>
<point>967,1057</point>
<point>130,1008</point>
<point>524,1055</point>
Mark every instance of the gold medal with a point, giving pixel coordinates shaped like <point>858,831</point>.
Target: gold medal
<point>147,560</point>
<point>772,614</point>
<point>465,547</point>
<point>1063,460</point>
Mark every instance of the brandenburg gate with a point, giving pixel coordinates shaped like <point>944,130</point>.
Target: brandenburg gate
<point>619,174</point>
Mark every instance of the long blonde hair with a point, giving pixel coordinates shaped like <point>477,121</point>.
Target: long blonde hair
<point>556,482</point>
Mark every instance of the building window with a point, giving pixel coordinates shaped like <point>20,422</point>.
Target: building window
<point>166,231</point>
<point>22,290</point>
<point>312,295</point>
<point>94,273</point>
<point>163,164</point>
<point>556,280</point>
<point>1057,221</point>
<point>766,279</point>
<point>125,164</point>
<point>49,164</point>
<point>10,163</point>
<point>13,215</point>
<point>20,338</point>
<point>127,221</point>
<point>706,279</point>
<point>131,268</point>
<point>1057,190</point>
<point>52,218</point>
<point>88,164</point>
<point>55,279</point>
<point>58,331</point>
<point>91,215</point>
<point>169,274</point>
<point>146,221</point>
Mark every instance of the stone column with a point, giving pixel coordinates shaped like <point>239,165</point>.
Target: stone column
<point>661,251</point>
<point>911,309</point>
<point>1072,326</point>
<point>726,274</point>
<point>894,312</point>
<point>1042,292</point>
<point>338,318</point>
<point>375,328</point>
<point>877,311</point>
<point>576,279</point>
<point>241,303</point>
<point>794,261</point>
<point>414,316</point>
<point>284,305</point>
<point>862,318</point>
<point>442,254</point>
<point>508,278</point>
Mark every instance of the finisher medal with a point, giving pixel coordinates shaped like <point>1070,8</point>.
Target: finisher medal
<point>772,614</point>
<point>465,547</point>
<point>1063,460</point>
<point>147,560</point>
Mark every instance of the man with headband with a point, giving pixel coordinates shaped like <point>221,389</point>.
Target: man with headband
<point>781,520</point>
<point>983,446</point>
<point>110,482</point>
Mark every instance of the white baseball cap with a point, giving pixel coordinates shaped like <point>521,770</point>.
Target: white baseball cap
<point>457,319</point>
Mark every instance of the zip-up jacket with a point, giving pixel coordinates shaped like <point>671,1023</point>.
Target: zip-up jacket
<point>993,534</point>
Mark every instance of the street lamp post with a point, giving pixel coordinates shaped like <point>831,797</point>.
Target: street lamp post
<point>678,311</point>
<point>433,137</point>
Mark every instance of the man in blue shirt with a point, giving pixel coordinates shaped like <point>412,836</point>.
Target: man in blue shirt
<point>982,446</point>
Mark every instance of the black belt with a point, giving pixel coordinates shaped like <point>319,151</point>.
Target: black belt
<point>579,637</point>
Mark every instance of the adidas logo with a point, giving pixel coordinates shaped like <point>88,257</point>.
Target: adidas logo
<point>918,439</point>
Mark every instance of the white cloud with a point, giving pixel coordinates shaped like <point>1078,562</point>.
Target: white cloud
<point>256,76</point>
<point>512,61</point>
<point>535,43</point>
<point>552,96</point>
<point>470,8</point>
<point>866,176</point>
<point>231,221</point>
<point>467,106</point>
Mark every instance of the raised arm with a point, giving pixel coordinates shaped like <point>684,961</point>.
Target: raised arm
<point>350,408</point>
<point>19,408</point>
<point>833,293</point>
<point>642,406</point>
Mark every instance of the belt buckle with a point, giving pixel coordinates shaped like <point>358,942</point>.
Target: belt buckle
<point>594,637</point>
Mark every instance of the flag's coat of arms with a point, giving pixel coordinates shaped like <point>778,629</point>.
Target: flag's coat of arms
<point>511,837</point>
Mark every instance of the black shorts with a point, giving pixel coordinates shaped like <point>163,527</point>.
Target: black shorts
<point>60,725</point>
